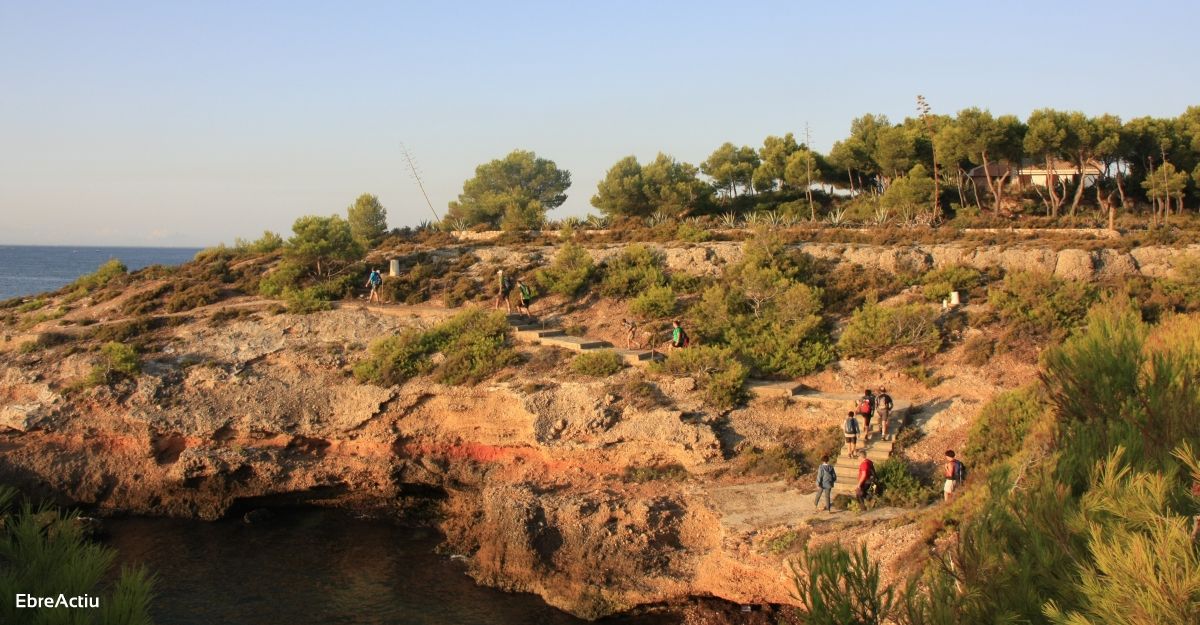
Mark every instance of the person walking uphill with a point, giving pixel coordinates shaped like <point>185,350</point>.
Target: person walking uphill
<point>884,405</point>
<point>866,409</point>
<point>826,478</point>
<point>956,473</point>
<point>679,338</point>
<point>374,280</point>
<point>526,297</point>
<point>866,478</point>
<point>850,429</point>
<point>503,288</point>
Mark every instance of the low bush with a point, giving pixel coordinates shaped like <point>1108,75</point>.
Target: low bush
<point>639,394</point>
<point>635,270</point>
<point>118,361</point>
<point>194,296</point>
<point>1037,305</point>
<point>657,302</point>
<point>474,345</point>
<point>938,284</point>
<point>716,370</point>
<point>267,243</point>
<point>891,332</point>
<point>108,271</point>
<point>307,300</point>
<point>901,486</point>
<point>569,273</point>
<point>690,233</point>
<point>599,364</point>
<point>978,350</point>
<point>779,461</point>
<point>1002,426</point>
<point>284,277</point>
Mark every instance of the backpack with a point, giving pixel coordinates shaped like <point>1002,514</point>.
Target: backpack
<point>375,278</point>
<point>960,471</point>
<point>864,406</point>
<point>886,400</point>
<point>684,339</point>
<point>850,427</point>
<point>525,293</point>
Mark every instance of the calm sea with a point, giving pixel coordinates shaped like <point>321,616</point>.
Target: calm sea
<point>31,269</point>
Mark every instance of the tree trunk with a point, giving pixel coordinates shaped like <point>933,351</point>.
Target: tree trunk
<point>1055,201</point>
<point>1079,167</point>
<point>975,188</point>
<point>962,197</point>
<point>992,187</point>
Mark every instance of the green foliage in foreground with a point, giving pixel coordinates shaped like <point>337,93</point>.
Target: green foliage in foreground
<point>474,345</point>
<point>716,370</point>
<point>636,269</point>
<point>838,586</point>
<point>44,553</point>
<point>889,331</point>
<point>599,363</point>
<point>1039,305</point>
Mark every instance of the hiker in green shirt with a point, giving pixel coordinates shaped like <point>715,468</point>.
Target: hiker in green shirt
<point>679,338</point>
<point>526,297</point>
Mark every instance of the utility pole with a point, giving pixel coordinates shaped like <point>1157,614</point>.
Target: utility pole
<point>412,166</point>
<point>923,108</point>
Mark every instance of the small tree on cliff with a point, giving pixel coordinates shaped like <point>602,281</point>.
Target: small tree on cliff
<point>368,220</point>
<point>324,244</point>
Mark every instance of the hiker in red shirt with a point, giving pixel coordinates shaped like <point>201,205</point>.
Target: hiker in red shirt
<point>866,476</point>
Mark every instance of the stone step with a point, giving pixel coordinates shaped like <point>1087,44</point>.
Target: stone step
<point>639,356</point>
<point>520,318</point>
<point>575,343</point>
<point>766,388</point>
<point>533,333</point>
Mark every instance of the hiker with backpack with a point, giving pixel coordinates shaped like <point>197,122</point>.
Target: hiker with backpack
<point>866,479</point>
<point>866,409</point>
<point>850,429</point>
<point>826,478</point>
<point>503,288</point>
<point>679,337</point>
<point>374,280</point>
<point>956,474</point>
<point>526,295</point>
<point>884,405</point>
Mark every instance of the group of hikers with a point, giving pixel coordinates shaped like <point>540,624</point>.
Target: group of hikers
<point>504,293</point>
<point>869,406</point>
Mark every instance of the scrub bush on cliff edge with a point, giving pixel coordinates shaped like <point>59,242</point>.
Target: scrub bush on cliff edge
<point>474,345</point>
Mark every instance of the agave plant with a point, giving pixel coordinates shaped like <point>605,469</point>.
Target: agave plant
<point>572,222</point>
<point>773,219</point>
<point>908,215</point>
<point>882,216</point>
<point>836,217</point>
<point>694,221</point>
<point>730,220</point>
<point>424,225</point>
<point>790,220</point>
<point>597,222</point>
<point>455,224</point>
<point>658,218</point>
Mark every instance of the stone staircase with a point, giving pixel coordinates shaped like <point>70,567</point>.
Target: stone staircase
<point>529,329</point>
<point>877,450</point>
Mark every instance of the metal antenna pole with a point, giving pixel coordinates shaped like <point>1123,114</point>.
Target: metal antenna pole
<point>412,166</point>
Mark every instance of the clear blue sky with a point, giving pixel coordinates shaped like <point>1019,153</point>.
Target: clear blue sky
<point>192,123</point>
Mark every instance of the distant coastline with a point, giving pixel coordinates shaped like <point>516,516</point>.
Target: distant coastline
<point>27,270</point>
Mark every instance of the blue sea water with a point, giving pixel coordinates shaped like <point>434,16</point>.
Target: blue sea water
<point>32,269</point>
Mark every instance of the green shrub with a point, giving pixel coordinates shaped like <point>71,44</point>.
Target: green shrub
<point>474,345</point>
<point>108,271</point>
<point>570,272</point>
<point>118,361</point>
<point>901,487</point>
<point>692,234</point>
<point>978,350</point>
<point>940,282</point>
<point>635,270</point>
<point>716,370</point>
<point>32,305</point>
<point>394,359</point>
<point>657,302</point>
<point>306,301</point>
<point>284,277</point>
<point>1002,426</point>
<point>786,542</point>
<point>779,461</point>
<point>841,587</point>
<point>599,364</point>
<point>45,553</point>
<point>1038,305</point>
<point>267,243</point>
<point>890,332</point>
<point>194,296</point>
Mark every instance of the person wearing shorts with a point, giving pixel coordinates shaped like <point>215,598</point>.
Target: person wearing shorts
<point>952,476</point>
<point>850,430</point>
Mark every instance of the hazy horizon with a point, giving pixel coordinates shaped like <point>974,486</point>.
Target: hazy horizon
<point>147,124</point>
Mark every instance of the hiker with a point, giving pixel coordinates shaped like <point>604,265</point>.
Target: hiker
<point>826,477</point>
<point>956,472</point>
<point>526,296</point>
<point>679,338</point>
<point>866,409</point>
<point>866,478</point>
<point>884,403</point>
<point>374,280</point>
<point>503,288</point>
<point>850,429</point>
